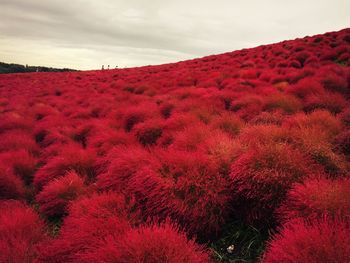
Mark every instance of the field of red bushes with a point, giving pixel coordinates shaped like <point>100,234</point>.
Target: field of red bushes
<point>247,150</point>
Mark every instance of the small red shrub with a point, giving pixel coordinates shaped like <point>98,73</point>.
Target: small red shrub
<point>148,133</point>
<point>262,176</point>
<point>17,140</point>
<point>322,120</point>
<point>164,243</point>
<point>21,162</point>
<point>90,222</point>
<point>334,82</point>
<point>56,195</point>
<point>71,157</point>
<point>11,187</point>
<point>305,87</point>
<point>21,233</point>
<point>287,103</point>
<point>343,142</point>
<point>124,163</point>
<point>264,134</point>
<point>333,102</point>
<point>314,198</point>
<point>229,123</point>
<point>187,187</point>
<point>322,242</point>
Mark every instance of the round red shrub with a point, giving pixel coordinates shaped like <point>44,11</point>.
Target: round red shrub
<point>334,82</point>
<point>56,195</point>
<point>22,163</point>
<point>124,163</point>
<point>148,133</point>
<point>70,157</point>
<point>150,244</point>
<point>287,103</point>
<point>229,123</point>
<point>11,187</point>
<point>323,241</point>
<point>343,142</point>
<point>333,102</point>
<point>314,198</point>
<point>306,87</point>
<point>21,232</point>
<point>262,176</point>
<point>90,222</point>
<point>187,187</point>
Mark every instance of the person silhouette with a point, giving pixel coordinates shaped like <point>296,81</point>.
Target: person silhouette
<point>108,67</point>
<point>103,67</point>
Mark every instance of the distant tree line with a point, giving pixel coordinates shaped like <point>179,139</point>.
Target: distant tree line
<point>17,68</point>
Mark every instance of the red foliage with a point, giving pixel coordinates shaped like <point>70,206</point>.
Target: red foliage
<point>11,187</point>
<point>90,221</point>
<point>124,163</point>
<point>22,163</point>
<point>262,176</point>
<point>186,187</point>
<point>314,198</point>
<point>151,244</point>
<point>322,242</point>
<point>71,157</point>
<point>56,195</point>
<point>21,232</point>
<point>343,142</point>
<point>148,133</point>
<point>204,142</point>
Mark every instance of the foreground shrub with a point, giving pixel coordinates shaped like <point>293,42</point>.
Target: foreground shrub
<point>322,241</point>
<point>287,103</point>
<point>322,120</point>
<point>150,244</point>
<point>21,233</point>
<point>262,176</point>
<point>316,143</point>
<point>333,102</point>
<point>11,187</point>
<point>90,221</point>
<point>21,162</point>
<point>124,163</point>
<point>70,157</point>
<point>343,142</point>
<point>185,186</point>
<point>228,123</point>
<point>56,195</point>
<point>148,133</point>
<point>314,198</point>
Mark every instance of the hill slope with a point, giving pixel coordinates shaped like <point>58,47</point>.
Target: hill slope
<point>129,165</point>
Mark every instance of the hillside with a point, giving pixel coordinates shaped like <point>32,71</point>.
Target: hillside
<point>239,156</point>
<point>6,68</point>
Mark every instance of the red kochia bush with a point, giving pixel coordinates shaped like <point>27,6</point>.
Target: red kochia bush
<point>314,198</point>
<point>124,163</point>
<point>343,142</point>
<point>21,232</point>
<point>21,162</point>
<point>262,176</point>
<point>148,133</point>
<point>186,186</point>
<point>90,221</point>
<point>151,244</point>
<point>56,195</point>
<point>11,187</point>
<point>323,241</point>
<point>71,157</point>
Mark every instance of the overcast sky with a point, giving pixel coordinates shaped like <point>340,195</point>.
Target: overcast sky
<point>84,34</point>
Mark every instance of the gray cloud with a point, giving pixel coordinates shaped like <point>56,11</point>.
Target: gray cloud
<point>86,34</point>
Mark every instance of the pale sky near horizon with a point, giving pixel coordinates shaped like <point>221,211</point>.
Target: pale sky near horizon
<point>84,34</point>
